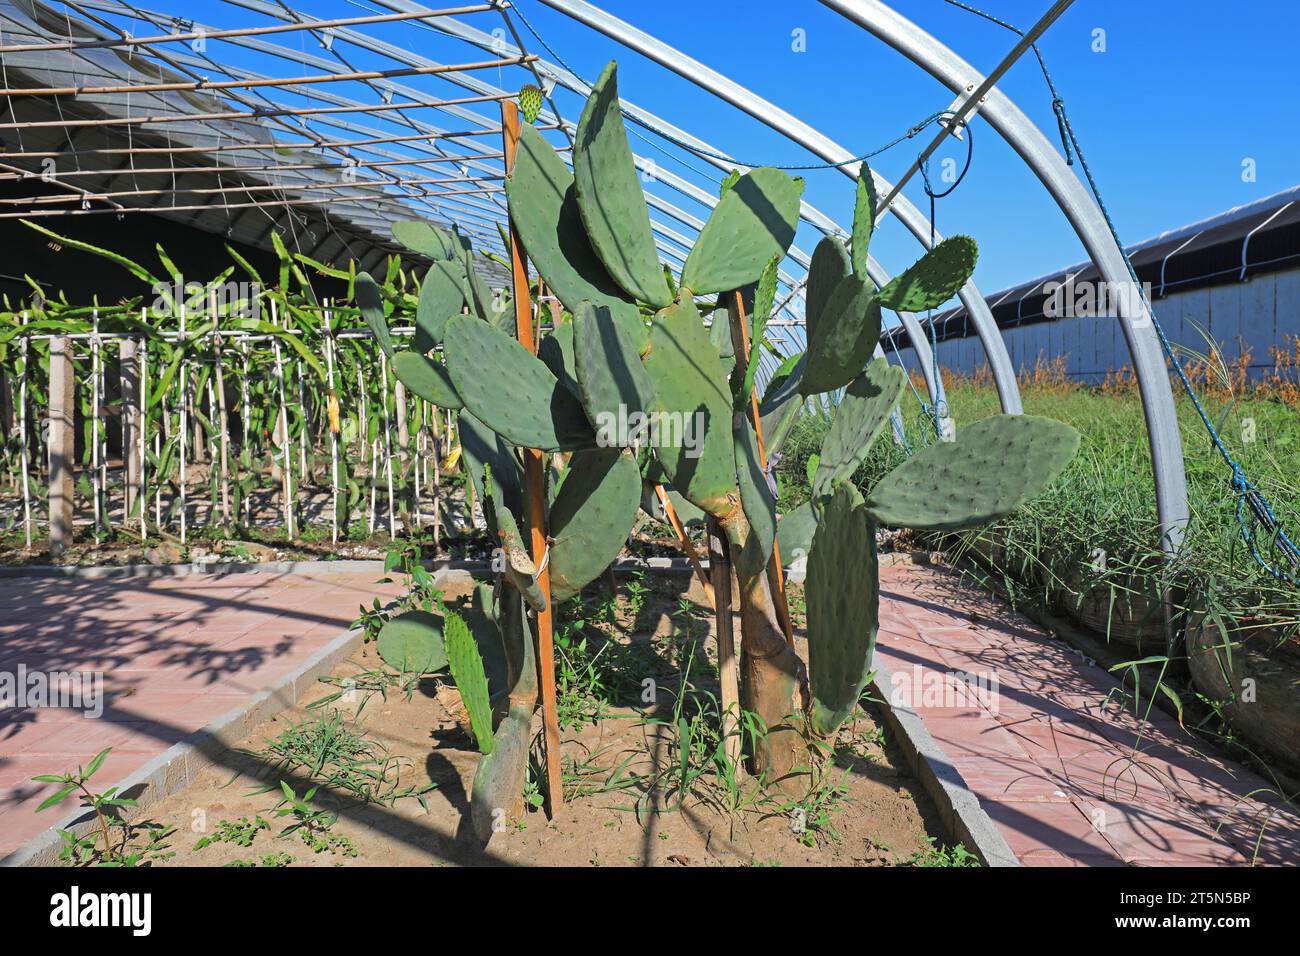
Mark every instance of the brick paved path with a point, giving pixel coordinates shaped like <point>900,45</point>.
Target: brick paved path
<point>1067,778</point>
<point>175,653</point>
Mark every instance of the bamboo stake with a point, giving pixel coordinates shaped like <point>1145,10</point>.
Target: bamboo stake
<point>286,453</point>
<point>244,416</point>
<point>144,428</point>
<point>332,412</point>
<point>535,479</point>
<point>95,487</point>
<point>223,422</point>
<point>184,431</point>
<point>22,429</point>
<point>388,448</point>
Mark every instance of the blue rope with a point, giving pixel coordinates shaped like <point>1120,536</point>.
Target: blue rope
<point>1248,495</point>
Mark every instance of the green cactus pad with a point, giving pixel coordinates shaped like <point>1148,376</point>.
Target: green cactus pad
<point>993,467</point>
<point>544,210</point>
<point>784,381</point>
<point>519,566</point>
<point>424,238</point>
<point>427,379</point>
<point>755,499</point>
<point>412,643</point>
<point>934,279</point>
<point>864,219</point>
<point>828,267</point>
<point>782,403</point>
<point>371,304</point>
<point>511,391</point>
<point>610,198</point>
<point>612,382</point>
<point>591,518</point>
<point>862,413</point>
<point>698,397</point>
<point>483,448</point>
<point>556,350</point>
<point>843,339</point>
<point>471,679</point>
<point>794,532</point>
<point>843,599</point>
<point>753,221</point>
<point>441,295</point>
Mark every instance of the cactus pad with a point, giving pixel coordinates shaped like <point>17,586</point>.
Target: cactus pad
<point>934,279</point>
<point>556,350</point>
<point>756,500</point>
<point>591,518</point>
<point>993,467</point>
<point>864,219</point>
<point>424,238</point>
<point>441,295</point>
<point>698,455</point>
<point>794,532</point>
<point>753,221</point>
<point>862,413</point>
<point>612,382</point>
<point>483,448</point>
<point>843,338</point>
<point>610,198</point>
<point>829,265</point>
<point>511,391</point>
<point>471,679</point>
<point>412,643</point>
<point>371,304</point>
<point>843,599</point>
<point>544,210</point>
<point>427,379</point>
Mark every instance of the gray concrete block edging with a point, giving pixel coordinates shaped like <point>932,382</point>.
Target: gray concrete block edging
<point>173,769</point>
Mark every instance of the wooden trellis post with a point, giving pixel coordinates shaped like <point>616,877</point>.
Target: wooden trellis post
<point>223,420</point>
<point>129,380</point>
<point>62,443</point>
<point>535,481</point>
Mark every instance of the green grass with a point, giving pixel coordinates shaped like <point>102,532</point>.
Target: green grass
<point>1097,523</point>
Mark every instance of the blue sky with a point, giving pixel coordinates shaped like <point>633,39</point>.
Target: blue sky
<point>1184,92</point>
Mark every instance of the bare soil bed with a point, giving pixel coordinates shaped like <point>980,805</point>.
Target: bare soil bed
<point>631,798</point>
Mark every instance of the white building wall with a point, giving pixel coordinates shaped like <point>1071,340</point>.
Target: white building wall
<point>1253,316</point>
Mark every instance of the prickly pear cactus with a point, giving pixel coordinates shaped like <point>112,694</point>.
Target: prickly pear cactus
<point>934,279</point>
<point>412,643</point>
<point>427,379</point>
<point>863,411</point>
<point>610,197</point>
<point>843,598</point>
<point>530,103</point>
<point>519,566</point>
<point>992,468</point>
<point>512,391</point>
<point>471,679</point>
<point>753,221</point>
<point>591,518</point>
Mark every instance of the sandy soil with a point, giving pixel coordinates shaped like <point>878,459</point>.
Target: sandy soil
<point>879,817</point>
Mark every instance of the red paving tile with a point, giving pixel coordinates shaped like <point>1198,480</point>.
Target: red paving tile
<point>174,653</point>
<point>1068,776</point>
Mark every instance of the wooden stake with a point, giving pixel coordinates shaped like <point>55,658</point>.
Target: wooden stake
<point>535,478</point>
<point>684,543</point>
<point>22,431</point>
<point>62,447</point>
<point>775,571</point>
<point>728,665</point>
